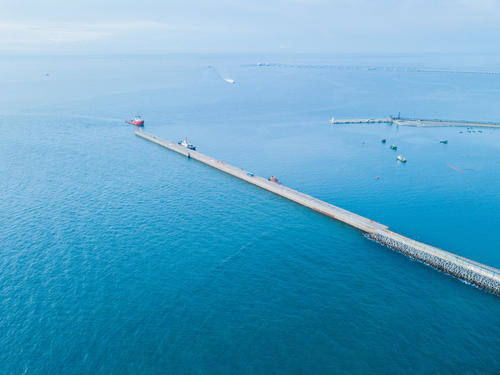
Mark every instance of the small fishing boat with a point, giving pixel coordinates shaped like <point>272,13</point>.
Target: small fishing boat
<point>384,140</point>
<point>401,159</point>
<point>137,121</point>
<point>229,80</point>
<point>443,141</point>
<point>186,144</point>
<point>394,147</point>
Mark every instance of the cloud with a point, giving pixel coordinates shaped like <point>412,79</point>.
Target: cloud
<point>259,25</point>
<point>19,34</point>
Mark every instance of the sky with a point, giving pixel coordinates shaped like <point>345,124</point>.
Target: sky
<point>295,26</point>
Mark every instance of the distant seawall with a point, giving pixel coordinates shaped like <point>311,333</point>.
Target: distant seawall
<point>401,121</point>
<point>475,273</point>
<point>437,122</point>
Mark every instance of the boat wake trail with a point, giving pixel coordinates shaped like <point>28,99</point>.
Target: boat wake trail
<point>454,168</point>
<point>213,69</point>
<point>243,248</point>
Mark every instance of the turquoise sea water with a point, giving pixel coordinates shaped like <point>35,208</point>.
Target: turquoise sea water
<point>118,256</point>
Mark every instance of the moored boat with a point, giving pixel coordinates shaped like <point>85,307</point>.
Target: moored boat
<point>401,159</point>
<point>137,121</point>
<point>443,141</point>
<point>394,147</point>
<point>186,144</point>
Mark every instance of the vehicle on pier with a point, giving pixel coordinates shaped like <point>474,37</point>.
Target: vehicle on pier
<point>274,179</point>
<point>137,121</point>
<point>186,144</point>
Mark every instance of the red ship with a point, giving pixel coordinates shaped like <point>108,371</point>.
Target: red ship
<point>138,121</point>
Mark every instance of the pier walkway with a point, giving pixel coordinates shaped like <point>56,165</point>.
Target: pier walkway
<point>483,276</point>
<point>436,122</point>
<point>401,121</point>
<point>360,121</point>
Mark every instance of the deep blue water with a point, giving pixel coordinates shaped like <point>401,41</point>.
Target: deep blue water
<point>118,256</point>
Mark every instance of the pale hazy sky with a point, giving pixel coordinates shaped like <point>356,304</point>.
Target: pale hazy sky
<point>157,26</point>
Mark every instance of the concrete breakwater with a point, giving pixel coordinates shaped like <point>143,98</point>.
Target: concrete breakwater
<point>436,122</point>
<point>462,268</point>
<point>361,121</point>
<point>475,273</point>
<point>401,121</point>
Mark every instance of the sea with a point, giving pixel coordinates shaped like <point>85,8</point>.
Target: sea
<point>120,257</point>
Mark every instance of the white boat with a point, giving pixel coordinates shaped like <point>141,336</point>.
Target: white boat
<point>186,144</point>
<point>332,120</point>
<point>229,80</point>
<point>401,159</point>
